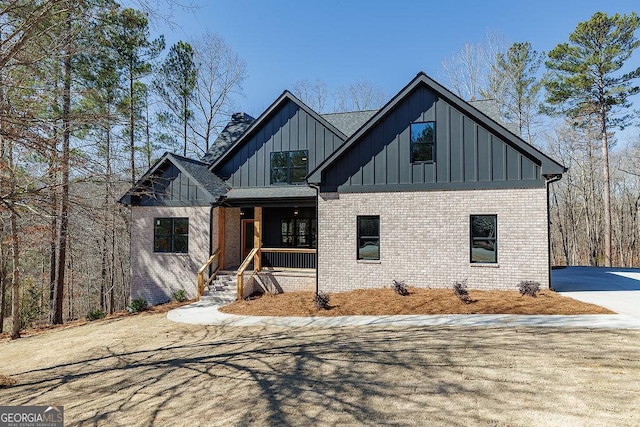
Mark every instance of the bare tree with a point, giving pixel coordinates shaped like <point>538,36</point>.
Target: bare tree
<point>358,96</point>
<point>221,73</point>
<point>466,72</point>
<point>313,93</point>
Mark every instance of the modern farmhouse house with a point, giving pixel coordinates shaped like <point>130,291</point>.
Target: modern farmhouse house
<point>428,189</point>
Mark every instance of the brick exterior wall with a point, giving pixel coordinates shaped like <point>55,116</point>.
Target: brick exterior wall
<point>424,239</point>
<point>155,276</point>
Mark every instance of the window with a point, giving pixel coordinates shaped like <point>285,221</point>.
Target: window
<point>171,235</point>
<point>484,238</point>
<point>423,138</point>
<point>368,237</point>
<point>297,232</point>
<point>289,167</point>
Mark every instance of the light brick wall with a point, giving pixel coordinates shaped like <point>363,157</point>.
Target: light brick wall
<point>155,276</point>
<point>424,239</point>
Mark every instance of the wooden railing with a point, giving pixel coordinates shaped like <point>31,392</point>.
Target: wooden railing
<point>260,258</point>
<point>288,257</point>
<point>201,273</point>
<point>253,256</point>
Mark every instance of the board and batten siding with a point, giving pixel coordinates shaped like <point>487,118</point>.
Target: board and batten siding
<point>290,128</point>
<point>467,155</point>
<point>174,188</point>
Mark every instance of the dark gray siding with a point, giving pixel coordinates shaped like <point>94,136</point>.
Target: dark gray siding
<point>466,154</point>
<point>289,129</point>
<point>174,188</point>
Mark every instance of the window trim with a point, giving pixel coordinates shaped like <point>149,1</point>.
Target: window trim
<point>288,167</point>
<point>433,143</point>
<point>359,237</point>
<point>171,236</point>
<point>472,239</point>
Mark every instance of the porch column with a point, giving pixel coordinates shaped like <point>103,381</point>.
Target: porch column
<point>257,236</point>
<point>221,237</point>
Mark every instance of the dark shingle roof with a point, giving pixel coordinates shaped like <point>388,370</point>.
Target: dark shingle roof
<point>348,123</point>
<point>200,172</point>
<point>235,128</point>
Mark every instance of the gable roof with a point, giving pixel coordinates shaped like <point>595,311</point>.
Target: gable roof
<point>238,124</point>
<point>548,165</point>
<point>195,170</point>
<point>285,97</point>
<point>349,122</point>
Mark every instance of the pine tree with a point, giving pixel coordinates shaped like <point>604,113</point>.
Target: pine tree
<point>176,83</point>
<point>585,81</point>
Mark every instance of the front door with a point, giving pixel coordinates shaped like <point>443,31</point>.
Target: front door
<point>248,228</point>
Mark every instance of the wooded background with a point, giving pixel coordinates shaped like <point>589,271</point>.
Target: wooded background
<point>89,100</point>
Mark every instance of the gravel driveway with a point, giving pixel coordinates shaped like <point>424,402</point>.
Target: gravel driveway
<point>146,370</point>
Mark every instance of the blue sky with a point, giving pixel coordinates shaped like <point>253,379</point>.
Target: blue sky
<point>384,42</point>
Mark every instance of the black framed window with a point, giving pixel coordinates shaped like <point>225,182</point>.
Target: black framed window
<point>368,237</point>
<point>423,141</point>
<point>289,167</point>
<point>171,235</point>
<point>298,232</point>
<point>484,238</point>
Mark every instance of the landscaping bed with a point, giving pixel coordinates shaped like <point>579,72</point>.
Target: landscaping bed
<point>385,301</point>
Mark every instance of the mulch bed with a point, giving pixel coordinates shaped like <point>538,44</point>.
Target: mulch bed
<point>385,301</point>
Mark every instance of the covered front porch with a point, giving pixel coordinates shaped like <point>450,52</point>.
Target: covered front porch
<point>267,237</point>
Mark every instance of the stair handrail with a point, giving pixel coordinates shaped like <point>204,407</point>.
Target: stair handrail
<point>242,268</point>
<point>201,281</point>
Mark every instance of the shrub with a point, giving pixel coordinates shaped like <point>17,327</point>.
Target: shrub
<point>322,301</point>
<point>461,291</point>
<point>137,305</point>
<point>528,287</point>
<point>180,295</point>
<point>95,315</point>
<point>400,288</point>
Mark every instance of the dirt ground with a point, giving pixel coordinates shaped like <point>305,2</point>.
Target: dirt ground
<point>146,370</point>
<point>386,301</point>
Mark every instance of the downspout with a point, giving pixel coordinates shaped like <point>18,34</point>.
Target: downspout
<point>551,180</point>
<point>317,188</point>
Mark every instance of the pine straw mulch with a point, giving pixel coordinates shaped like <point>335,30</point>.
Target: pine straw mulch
<point>385,301</point>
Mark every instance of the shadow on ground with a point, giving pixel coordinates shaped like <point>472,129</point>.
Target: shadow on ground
<point>356,376</point>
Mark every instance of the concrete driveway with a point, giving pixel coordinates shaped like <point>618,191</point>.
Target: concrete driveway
<point>617,289</point>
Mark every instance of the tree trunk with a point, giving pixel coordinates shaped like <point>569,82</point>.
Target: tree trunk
<point>61,258</point>
<point>132,146</point>
<point>15,252</point>
<point>185,117</point>
<point>54,228</point>
<point>607,189</point>
<point>3,284</point>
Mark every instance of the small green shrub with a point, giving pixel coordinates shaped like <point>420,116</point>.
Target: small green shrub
<point>95,315</point>
<point>322,301</point>
<point>400,287</point>
<point>530,288</point>
<point>137,305</point>
<point>180,295</point>
<point>461,291</point>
